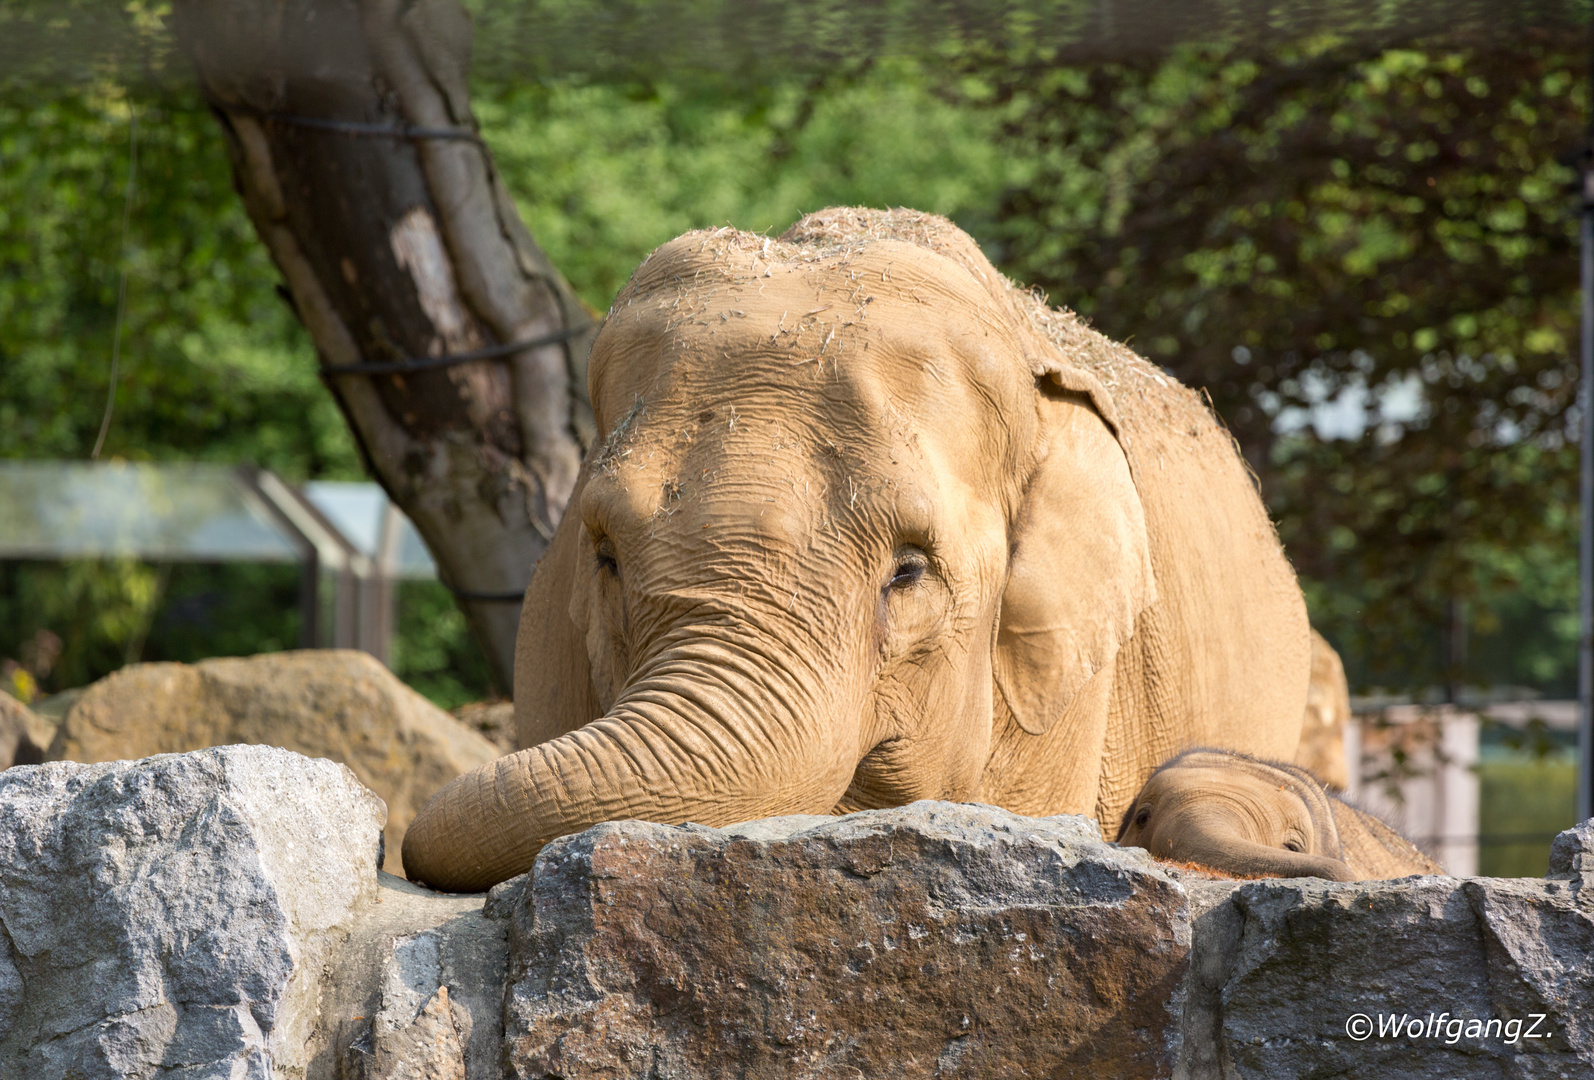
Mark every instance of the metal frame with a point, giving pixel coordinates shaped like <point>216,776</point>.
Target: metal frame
<point>362,593</point>
<point>1585,665</point>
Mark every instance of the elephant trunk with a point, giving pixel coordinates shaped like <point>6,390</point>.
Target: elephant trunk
<point>709,735</point>
<point>1223,850</point>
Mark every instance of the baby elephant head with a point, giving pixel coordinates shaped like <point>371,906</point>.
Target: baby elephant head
<point>1237,814</point>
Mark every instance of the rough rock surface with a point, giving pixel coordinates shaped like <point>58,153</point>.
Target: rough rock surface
<point>1312,978</point>
<point>172,917</point>
<point>930,940</point>
<point>333,703</point>
<point>418,991</point>
<point>1572,853</point>
<point>492,720</point>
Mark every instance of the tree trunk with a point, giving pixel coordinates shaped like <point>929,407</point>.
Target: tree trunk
<point>355,151</point>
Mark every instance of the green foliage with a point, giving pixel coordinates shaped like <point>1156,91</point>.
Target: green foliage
<point>1524,804</point>
<point>433,651</point>
<point>112,612</point>
<point>744,41</point>
<point>1331,220</point>
<point>102,611</point>
<point>214,365</point>
<point>233,609</point>
<point>605,173</point>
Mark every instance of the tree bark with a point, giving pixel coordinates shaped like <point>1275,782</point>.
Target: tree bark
<point>354,148</point>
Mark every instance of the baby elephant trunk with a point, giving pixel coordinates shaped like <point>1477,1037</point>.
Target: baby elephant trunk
<point>1232,854</point>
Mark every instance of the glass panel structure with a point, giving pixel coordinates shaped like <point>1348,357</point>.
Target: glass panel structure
<point>160,512</point>
<point>359,510</point>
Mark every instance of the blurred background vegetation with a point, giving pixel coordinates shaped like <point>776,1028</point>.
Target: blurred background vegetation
<point>1361,245</point>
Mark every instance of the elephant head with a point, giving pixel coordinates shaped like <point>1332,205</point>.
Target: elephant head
<point>1234,813</point>
<point>865,525</point>
<point>847,510</point>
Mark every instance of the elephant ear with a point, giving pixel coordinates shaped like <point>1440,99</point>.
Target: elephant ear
<point>595,625</point>
<point>1080,569</point>
<point>554,692</point>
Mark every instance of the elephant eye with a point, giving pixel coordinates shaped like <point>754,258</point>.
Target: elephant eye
<point>607,562</point>
<point>1292,845</point>
<point>909,569</point>
<point>1143,816</point>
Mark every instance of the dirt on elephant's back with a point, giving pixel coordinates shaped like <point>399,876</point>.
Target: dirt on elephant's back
<point>1144,394</point>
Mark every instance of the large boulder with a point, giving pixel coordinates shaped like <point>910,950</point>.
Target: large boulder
<point>173,917</point>
<point>1427,977</point>
<point>334,703</point>
<point>23,736</point>
<point>930,940</point>
<point>493,721</point>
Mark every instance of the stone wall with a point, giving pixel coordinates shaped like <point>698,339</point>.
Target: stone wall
<point>220,914</point>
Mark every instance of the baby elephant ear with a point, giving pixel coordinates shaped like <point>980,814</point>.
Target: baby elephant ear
<point>1080,569</point>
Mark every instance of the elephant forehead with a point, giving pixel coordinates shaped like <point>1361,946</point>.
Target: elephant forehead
<point>1254,800</point>
<point>765,501</point>
<point>763,475</point>
<point>829,331</point>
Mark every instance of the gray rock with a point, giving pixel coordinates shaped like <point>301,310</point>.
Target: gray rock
<point>1312,978</point>
<point>930,940</point>
<point>172,917</point>
<point>341,704</point>
<point>1572,852</point>
<point>418,991</point>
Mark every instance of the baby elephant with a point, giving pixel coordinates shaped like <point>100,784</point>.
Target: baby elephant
<point>1241,815</point>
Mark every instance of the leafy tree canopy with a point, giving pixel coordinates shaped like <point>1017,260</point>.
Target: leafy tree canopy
<point>1383,230</point>
<point>1364,254</point>
<point>214,365</point>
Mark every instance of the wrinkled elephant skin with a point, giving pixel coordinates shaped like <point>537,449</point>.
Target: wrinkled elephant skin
<point>865,525</point>
<point>1241,815</point>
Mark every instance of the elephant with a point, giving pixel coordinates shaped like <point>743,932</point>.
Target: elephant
<point>865,523</point>
<point>1239,814</point>
<point>1323,725</point>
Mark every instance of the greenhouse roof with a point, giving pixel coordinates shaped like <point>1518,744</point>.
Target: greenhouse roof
<point>188,512</point>
<point>192,512</point>
<point>358,509</point>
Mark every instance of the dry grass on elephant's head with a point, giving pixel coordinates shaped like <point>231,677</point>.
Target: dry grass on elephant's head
<point>1139,400</point>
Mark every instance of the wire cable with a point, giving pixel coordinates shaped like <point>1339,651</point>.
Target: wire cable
<point>359,127</point>
<point>431,363</point>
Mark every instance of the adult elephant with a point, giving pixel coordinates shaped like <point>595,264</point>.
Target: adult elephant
<point>867,525</point>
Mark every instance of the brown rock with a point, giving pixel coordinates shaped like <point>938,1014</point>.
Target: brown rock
<point>1322,747</point>
<point>492,720</point>
<point>929,940</point>
<point>335,703</point>
<point>428,1047</point>
<point>22,734</point>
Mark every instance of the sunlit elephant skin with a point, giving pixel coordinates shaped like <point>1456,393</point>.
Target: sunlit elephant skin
<point>866,524</point>
<point>1241,815</point>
